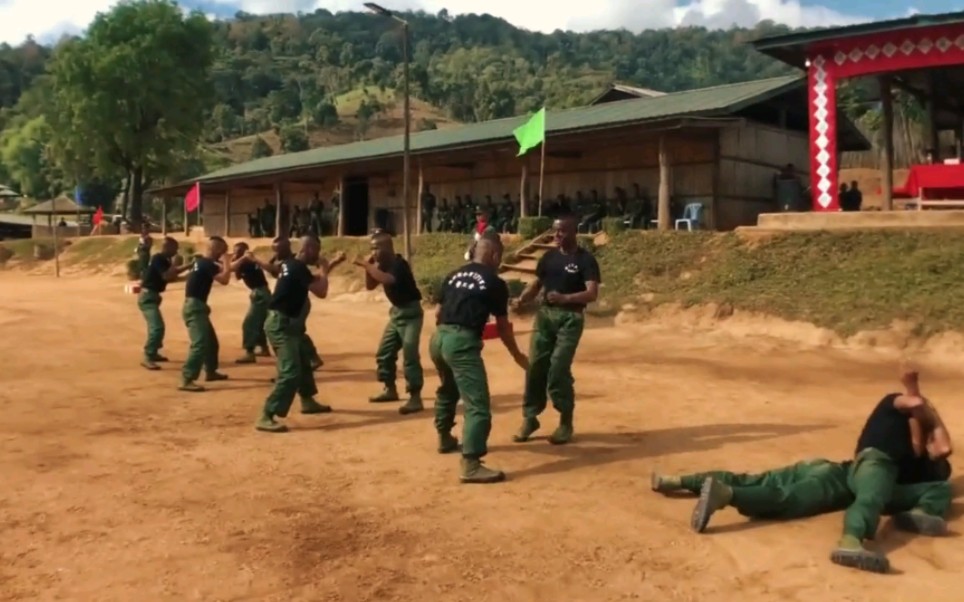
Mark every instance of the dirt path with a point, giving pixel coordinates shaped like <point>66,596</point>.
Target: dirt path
<point>115,486</point>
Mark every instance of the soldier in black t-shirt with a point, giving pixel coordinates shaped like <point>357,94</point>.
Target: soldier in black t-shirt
<point>285,328</point>
<point>570,276</point>
<point>252,329</point>
<point>213,266</point>
<point>914,490</point>
<point>282,251</point>
<point>158,273</point>
<point>467,298</point>
<point>404,329</point>
<point>902,429</point>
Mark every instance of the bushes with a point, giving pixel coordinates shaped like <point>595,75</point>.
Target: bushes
<point>613,225</point>
<point>530,227</point>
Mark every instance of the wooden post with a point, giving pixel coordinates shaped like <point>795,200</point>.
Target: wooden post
<point>933,140</point>
<point>277,209</point>
<point>663,208</point>
<point>418,201</point>
<point>714,211</point>
<point>341,205</point>
<point>522,189</point>
<point>56,244</point>
<point>542,172</point>
<point>227,213</point>
<point>164,216</point>
<point>887,165</point>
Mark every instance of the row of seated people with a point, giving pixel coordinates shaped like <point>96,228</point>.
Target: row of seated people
<point>314,218</point>
<point>638,211</point>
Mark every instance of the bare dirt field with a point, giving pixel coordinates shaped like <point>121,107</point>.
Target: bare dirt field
<point>115,486</point>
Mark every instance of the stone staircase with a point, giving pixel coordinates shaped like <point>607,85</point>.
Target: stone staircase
<point>522,264</point>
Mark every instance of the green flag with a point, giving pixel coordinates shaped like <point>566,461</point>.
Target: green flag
<point>532,133</point>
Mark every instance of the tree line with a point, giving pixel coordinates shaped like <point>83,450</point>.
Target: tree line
<point>146,94</point>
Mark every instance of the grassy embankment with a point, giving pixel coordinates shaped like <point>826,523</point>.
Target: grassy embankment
<point>844,281</point>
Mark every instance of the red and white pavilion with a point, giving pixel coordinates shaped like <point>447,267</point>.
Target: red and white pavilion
<point>922,55</point>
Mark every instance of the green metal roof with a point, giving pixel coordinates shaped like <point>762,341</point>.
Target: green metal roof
<point>717,101</point>
<point>790,48</point>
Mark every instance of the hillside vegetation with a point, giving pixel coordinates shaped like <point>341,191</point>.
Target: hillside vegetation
<point>847,282</point>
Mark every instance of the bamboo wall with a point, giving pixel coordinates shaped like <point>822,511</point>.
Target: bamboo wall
<point>750,156</point>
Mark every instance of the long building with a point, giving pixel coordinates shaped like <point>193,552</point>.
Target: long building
<point>720,147</point>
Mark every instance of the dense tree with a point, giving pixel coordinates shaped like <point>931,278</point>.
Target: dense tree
<point>130,101</point>
<point>131,95</point>
<point>260,148</point>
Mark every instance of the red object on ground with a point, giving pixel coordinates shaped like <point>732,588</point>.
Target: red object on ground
<point>937,181</point>
<point>491,331</point>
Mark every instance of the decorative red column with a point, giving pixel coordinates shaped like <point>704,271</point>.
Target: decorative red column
<point>822,105</point>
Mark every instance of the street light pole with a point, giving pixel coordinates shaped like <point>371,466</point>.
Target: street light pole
<point>406,152</point>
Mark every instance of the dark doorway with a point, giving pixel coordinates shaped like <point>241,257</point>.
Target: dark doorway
<point>356,207</point>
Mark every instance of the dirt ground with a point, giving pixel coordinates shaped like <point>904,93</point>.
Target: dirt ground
<point>115,486</point>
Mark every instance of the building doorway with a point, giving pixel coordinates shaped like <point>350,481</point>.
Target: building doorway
<point>356,206</point>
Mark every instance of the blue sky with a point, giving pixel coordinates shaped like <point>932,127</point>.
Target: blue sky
<point>47,19</point>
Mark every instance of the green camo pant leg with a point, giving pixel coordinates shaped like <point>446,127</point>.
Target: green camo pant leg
<point>805,489</point>
<point>197,318</point>
<point>386,357</point>
<point>541,346</point>
<point>252,329</point>
<point>447,394</point>
<point>285,336</point>
<point>462,352</point>
<point>307,387</point>
<point>933,497</point>
<point>403,332</point>
<point>872,480</point>
<point>569,327</point>
<point>149,302</point>
<point>213,350</point>
<point>771,478</point>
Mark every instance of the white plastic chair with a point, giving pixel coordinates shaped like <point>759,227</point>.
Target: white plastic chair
<point>692,214</point>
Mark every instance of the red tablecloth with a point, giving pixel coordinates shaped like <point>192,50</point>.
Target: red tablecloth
<point>933,182</point>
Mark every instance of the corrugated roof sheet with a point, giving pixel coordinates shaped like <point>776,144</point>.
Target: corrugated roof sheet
<point>705,102</point>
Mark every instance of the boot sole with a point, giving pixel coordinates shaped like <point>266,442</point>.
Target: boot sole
<point>191,389</point>
<point>405,411</point>
<point>656,483</point>
<point>861,560</point>
<point>520,438</point>
<point>281,429</point>
<point>702,513</point>
<point>321,410</point>
<point>150,367</point>
<point>922,524</point>
<point>559,441</point>
<point>483,480</point>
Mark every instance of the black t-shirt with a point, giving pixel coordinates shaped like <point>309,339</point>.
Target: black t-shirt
<point>252,275</point>
<point>154,275</point>
<point>291,292</point>
<point>404,291</point>
<point>201,279</point>
<point>922,470</point>
<point>888,430</point>
<point>567,274</point>
<point>471,294</point>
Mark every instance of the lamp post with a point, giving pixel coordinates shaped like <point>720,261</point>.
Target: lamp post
<point>406,152</point>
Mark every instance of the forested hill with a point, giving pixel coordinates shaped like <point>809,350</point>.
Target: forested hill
<point>265,84</point>
<point>276,69</point>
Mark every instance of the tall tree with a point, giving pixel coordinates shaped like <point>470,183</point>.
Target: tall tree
<point>131,96</point>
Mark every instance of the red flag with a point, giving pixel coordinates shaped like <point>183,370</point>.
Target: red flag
<point>192,200</point>
<point>98,216</point>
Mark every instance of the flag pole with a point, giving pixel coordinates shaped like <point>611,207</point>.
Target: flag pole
<point>542,172</point>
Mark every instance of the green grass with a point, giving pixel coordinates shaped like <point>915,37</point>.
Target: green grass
<point>844,281</point>
<point>347,104</point>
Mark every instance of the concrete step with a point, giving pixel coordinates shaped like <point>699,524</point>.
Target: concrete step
<point>857,220</point>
